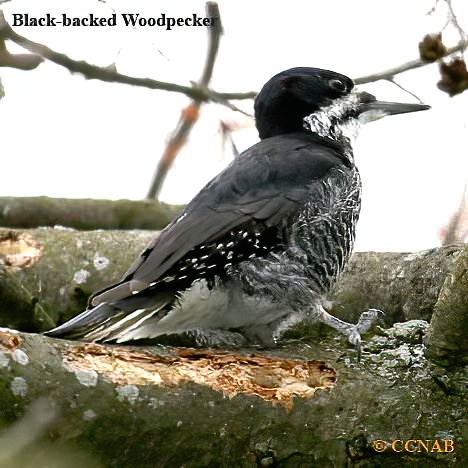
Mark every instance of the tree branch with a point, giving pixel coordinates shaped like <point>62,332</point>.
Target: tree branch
<point>93,72</point>
<point>85,214</point>
<point>47,275</point>
<point>158,407</point>
<point>195,92</point>
<point>454,20</point>
<point>20,61</point>
<point>404,67</point>
<point>216,30</point>
<point>191,113</point>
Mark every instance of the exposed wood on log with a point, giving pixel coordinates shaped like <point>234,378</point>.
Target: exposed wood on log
<point>56,407</point>
<point>273,379</point>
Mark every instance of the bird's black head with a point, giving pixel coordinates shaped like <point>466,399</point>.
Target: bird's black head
<point>291,95</point>
<point>321,102</point>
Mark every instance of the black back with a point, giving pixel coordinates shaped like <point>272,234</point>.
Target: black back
<point>245,205</point>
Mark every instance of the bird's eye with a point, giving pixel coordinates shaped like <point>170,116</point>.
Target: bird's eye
<point>338,85</point>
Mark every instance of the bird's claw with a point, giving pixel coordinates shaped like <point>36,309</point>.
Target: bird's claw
<point>365,322</point>
<point>353,332</point>
<point>367,319</point>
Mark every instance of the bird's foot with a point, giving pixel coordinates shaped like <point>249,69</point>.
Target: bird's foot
<point>353,332</point>
<point>368,318</point>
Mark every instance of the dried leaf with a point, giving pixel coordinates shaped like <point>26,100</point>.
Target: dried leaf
<point>454,77</point>
<point>432,48</point>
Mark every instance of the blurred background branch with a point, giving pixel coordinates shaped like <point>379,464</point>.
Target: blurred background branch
<point>189,115</point>
<point>93,72</point>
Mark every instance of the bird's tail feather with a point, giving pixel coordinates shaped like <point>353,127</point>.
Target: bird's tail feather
<point>108,320</point>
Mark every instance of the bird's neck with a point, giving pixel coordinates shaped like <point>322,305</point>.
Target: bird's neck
<point>329,128</point>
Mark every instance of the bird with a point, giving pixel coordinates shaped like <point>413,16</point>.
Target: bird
<point>258,249</point>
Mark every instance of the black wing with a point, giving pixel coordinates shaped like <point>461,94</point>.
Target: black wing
<point>263,185</point>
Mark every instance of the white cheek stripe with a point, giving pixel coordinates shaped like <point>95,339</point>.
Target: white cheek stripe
<point>329,121</point>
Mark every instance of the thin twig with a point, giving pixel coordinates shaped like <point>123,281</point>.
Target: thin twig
<point>190,114</point>
<point>93,72</point>
<point>404,67</point>
<point>433,9</point>
<point>234,108</point>
<point>226,134</point>
<point>398,85</point>
<point>454,20</point>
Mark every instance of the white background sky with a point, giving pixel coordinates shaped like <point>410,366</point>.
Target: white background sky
<point>65,136</point>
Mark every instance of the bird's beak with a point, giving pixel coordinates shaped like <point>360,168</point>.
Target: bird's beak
<point>376,110</point>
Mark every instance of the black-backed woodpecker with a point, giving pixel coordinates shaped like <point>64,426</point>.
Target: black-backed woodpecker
<point>261,245</point>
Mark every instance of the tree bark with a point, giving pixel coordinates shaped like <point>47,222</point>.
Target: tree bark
<point>298,405</point>
<point>404,285</point>
<point>448,331</point>
<point>48,274</point>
